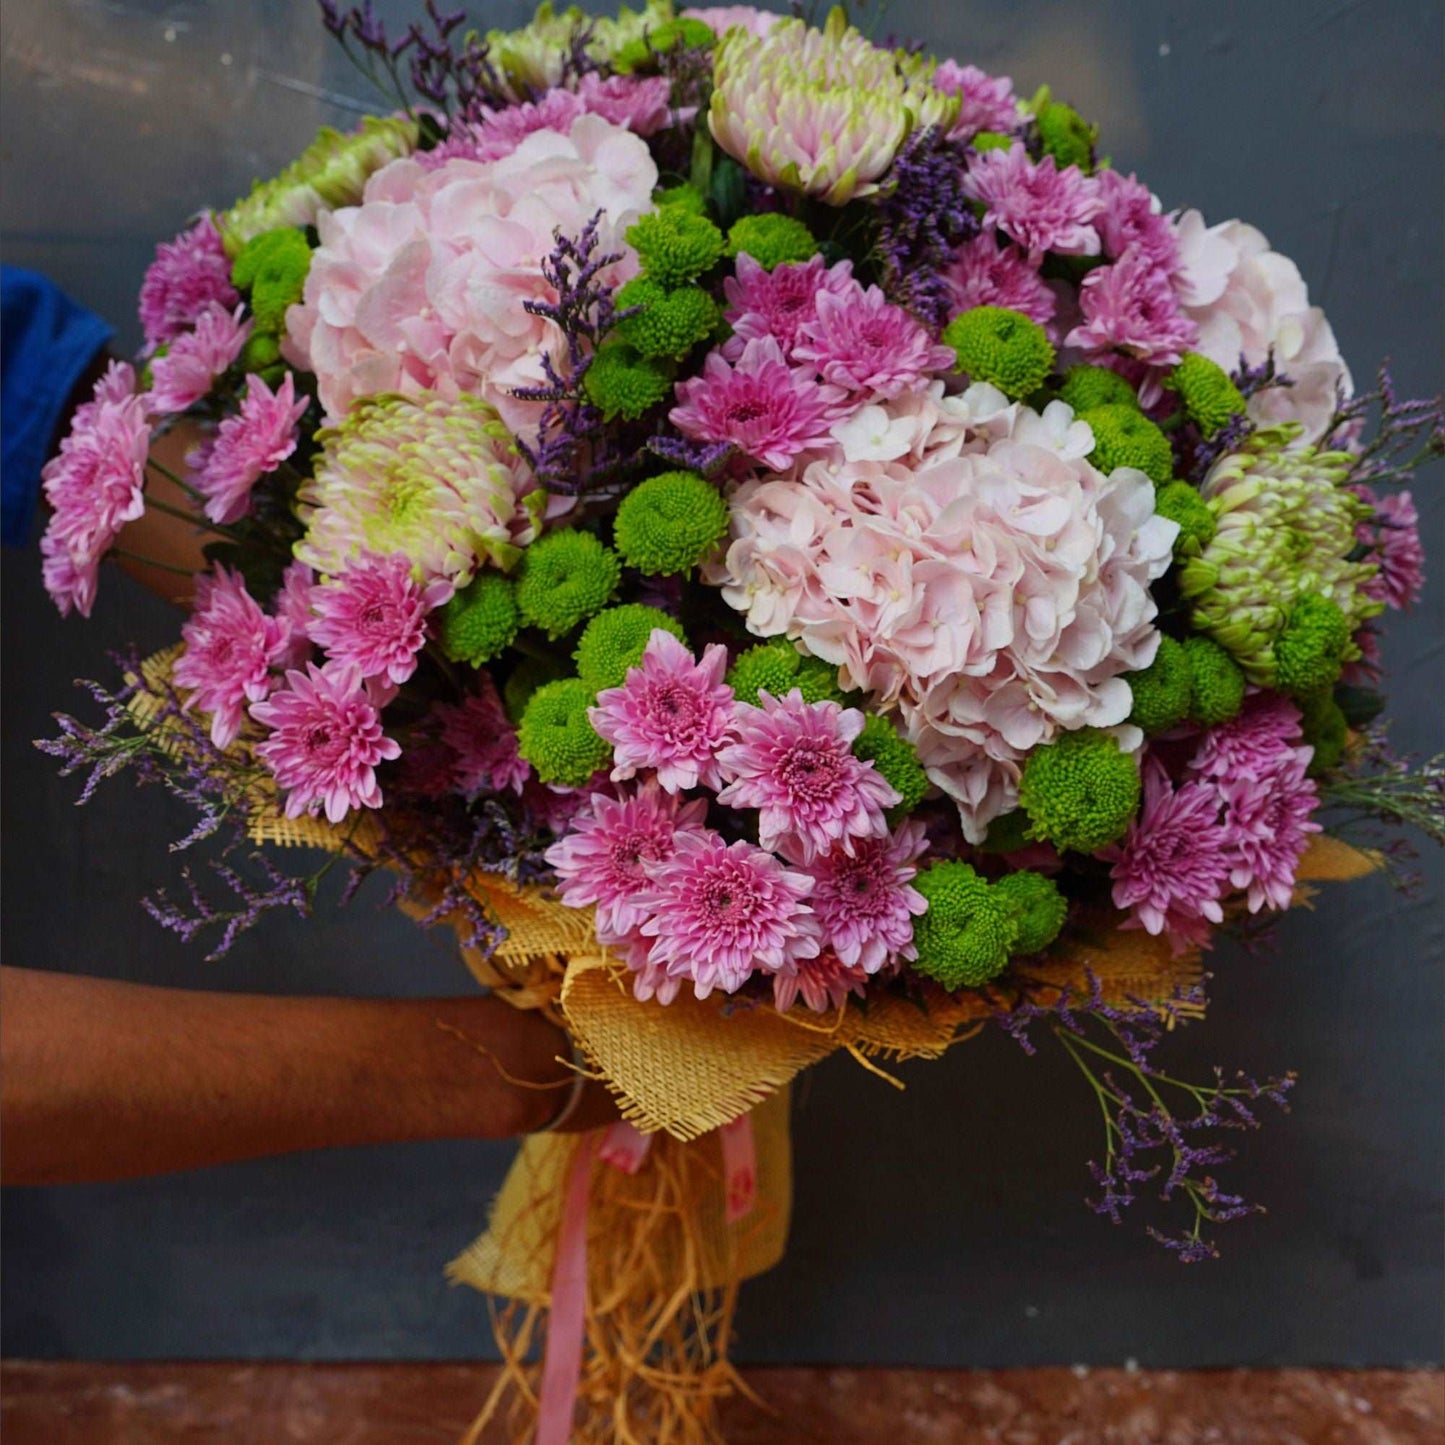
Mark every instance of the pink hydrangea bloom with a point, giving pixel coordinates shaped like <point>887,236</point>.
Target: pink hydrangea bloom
<point>988,583</point>
<point>1130,307</point>
<point>988,101</point>
<point>1036,204</point>
<point>250,443</point>
<point>859,341</point>
<point>793,761</point>
<point>1250,301</point>
<point>1395,534</point>
<point>1265,733</point>
<point>823,983</point>
<point>94,486</point>
<point>1131,221</point>
<point>187,275</point>
<point>863,899</point>
<point>423,286</point>
<point>718,912</point>
<point>722,18</point>
<point>780,302</point>
<point>372,616</point>
<point>613,849</point>
<point>192,362</point>
<point>293,608</point>
<point>1267,818</point>
<point>986,274</point>
<point>768,410</point>
<point>325,741</point>
<point>1172,869</point>
<point>482,742</point>
<point>671,715</point>
<point>231,646</point>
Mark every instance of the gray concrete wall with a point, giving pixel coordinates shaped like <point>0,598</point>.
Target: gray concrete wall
<point>943,1226</point>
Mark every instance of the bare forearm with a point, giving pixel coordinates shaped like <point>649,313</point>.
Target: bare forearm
<point>104,1080</point>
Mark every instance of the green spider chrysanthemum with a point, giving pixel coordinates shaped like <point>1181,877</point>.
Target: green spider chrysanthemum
<point>1125,437</point>
<point>1210,399</point>
<point>667,324</point>
<point>556,737</point>
<point>1001,346</point>
<point>479,622</point>
<point>675,246</point>
<point>565,578</point>
<point>821,111</point>
<point>330,172</point>
<point>777,667</point>
<point>1080,791</point>
<point>970,928</point>
<point>438,480</point>
<point>622,382</point>
<point>535,57</point>
<point>668,524</point>
<point>1285,529</point>
<point>615,640</point>
<point>772,239</point>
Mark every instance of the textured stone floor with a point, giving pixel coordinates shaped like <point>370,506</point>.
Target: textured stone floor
<point>277,1404</point>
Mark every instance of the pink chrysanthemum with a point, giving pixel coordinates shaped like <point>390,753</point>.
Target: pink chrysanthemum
<point>1268,825</point>
<point>986,274</point>
<point>1172,869</point>
<point>499,132</point>
<point>718,912</point>
<point>483,743</point>
<point>231,646</point>
<point>1265,733</point>
<point>722,18</point>
<point>861,342</point>
<point>1131,307</point>
<point>94,486</point>
<point>254,441</point>
<point>794,762</point>
<point>639,102</point>
<point>1132,223</point>
<point>769,411</point>
<point>292,606</point>
<point>187,275</point>
<point>824,983</point>
<point>614,848</point>
<point>325,741</point>
<point>1038,205</point>
<point>1394,534</point>
<point>863,898</point>
<point>671,715</point>
<point>188,368</point>
<point>780,302</point>
<point>988,101</point>
<point>373,616</point>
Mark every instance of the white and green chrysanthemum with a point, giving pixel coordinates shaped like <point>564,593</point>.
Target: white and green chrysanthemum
<point>820,111</point>
<point>533,57</point>
<point>439,481</point>
<point>330,172</point>
<point>1285,530</point>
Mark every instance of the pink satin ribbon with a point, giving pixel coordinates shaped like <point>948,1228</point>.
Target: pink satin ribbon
<point>623,1147</point>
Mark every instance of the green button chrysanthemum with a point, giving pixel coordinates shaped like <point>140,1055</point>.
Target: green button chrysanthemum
<point>771,239</point>
<point>1039,905</point>
<point>1086,387</point>
<point>1001,346</point>
<point>479,622</point>
<point>1125,437</point>
<point>970,928</point>
<point>881,744</point>
<point>564,579</point>
<point>556,737</point>
<point>1080,791</point>
<point>615,640</point>
<point>1284,529</point>
<point>777,667</point>
<point>667,524</point>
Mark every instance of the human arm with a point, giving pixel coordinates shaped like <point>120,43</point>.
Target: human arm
<point>108,1080</point>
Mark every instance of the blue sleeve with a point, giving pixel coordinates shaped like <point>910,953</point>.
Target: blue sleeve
<point>47,342</point>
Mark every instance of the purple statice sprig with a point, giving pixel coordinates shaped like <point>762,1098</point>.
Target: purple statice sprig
<point>253,901</point>
<point>922,217</point>
<point>573,448</point>
<point>1387,789</point>
<point>1406,434</point>
<point>1159,1130</point>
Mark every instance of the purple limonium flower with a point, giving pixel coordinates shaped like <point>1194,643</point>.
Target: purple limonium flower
<point>794,762</point>
<point>671,715</point>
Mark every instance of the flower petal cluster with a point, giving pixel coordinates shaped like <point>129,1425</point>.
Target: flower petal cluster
<point>1251,303</point>
<point>793,761</point>
<point>819,111</point>
<point>863,898</point>
<point>93,487</point>
<point>254,440</point>
<point>1034,203</point>
<point>778,303</point>
<point>985,273</point>
<point>1394,534</point>
<point>187,369</point>
<point>823,983</point>
<point>722,18</point>
<point>372,615</point>
<point>325,741</point>
<point>187,275</point>
<point>424,286</point>
<point>986,102</point>
<point>482,743</point>
<point>231,647</point>
<point>1131,307</point>
<point>671,716</point>
<point>988,583</point>
<point>438,481</point>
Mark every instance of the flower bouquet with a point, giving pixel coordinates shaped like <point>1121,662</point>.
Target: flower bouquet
<point>784,549</point>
